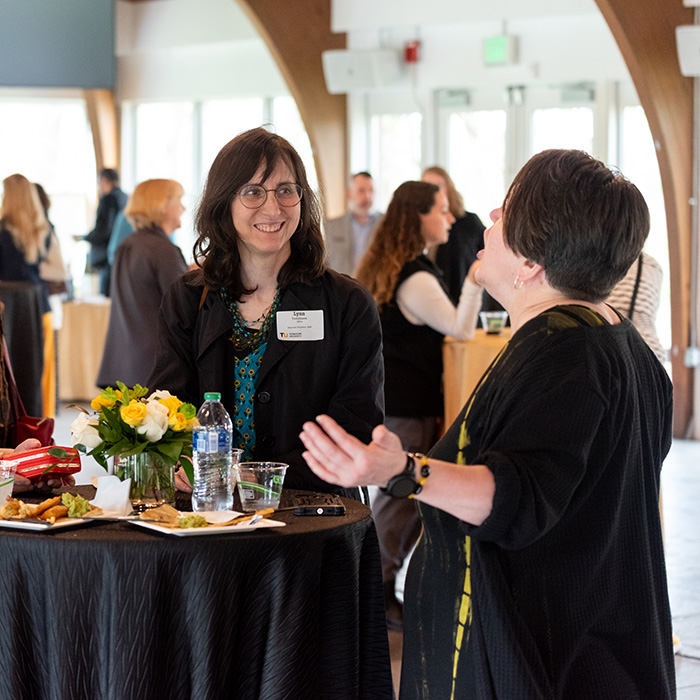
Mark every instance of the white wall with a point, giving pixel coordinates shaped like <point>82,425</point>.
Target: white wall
<point>191,50</point>
<point>180,49</point>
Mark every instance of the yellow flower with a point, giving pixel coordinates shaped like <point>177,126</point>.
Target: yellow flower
<point>177,421</point>
<point>134,413</point>
<point>173,403</point>
<point>99,401</point>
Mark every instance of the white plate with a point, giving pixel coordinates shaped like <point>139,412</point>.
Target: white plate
<point>33,525</point>
<point>212,517</point>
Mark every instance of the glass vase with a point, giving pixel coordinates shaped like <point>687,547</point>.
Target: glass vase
<point>152,481</point>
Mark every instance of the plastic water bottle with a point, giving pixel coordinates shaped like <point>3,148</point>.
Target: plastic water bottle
<point>211,456</point>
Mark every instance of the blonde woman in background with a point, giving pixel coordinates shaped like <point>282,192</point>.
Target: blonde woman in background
<point>24,240</point>
<point>145,265</point>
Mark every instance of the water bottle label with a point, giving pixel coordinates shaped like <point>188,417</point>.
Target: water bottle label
<point>224,441</point>
<point>211,442</point>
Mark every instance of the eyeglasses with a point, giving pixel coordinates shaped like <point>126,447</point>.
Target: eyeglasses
<point>254,196</point>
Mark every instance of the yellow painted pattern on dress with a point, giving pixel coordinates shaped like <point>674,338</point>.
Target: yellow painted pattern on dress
<point>464,620</point>
<point>465,614</point>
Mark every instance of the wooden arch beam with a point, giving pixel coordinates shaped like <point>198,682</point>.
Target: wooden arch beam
<point>102,116</point>
<point>645,32</point>
<point>296,34</point>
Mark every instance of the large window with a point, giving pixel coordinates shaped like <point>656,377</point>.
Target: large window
<point>395,145</point>
<point>638,163</point>
<point>562,127</point>
<point>476,158</point>
<point>224,119</point>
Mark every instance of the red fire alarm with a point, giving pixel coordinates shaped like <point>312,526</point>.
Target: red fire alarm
<point>411,51</point>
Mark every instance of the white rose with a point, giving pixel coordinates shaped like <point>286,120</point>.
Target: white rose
<point>83,431</point>
<point>155,422</point>
<point>160,394</point>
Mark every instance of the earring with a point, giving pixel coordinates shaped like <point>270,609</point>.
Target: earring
<point>517,283</point>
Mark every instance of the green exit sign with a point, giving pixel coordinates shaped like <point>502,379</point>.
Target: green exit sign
<point>500,50</point>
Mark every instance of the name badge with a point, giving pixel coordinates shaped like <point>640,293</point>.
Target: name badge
<point>300,325</point>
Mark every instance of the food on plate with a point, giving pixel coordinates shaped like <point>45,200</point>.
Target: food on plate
<point>54,513</point>
<point>51,510</point>
<point>45,505</point>
<point>14,508</point>
<point>193,520</point>
<point>77,505</point>
<point>165,515</point>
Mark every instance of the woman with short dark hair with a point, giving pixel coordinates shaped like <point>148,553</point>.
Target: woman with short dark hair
<point>263,321</point>
<point>540,572</point>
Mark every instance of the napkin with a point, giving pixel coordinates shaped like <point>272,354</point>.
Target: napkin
<point>113,496</point>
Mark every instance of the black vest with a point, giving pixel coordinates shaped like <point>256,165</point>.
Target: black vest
<point>412,356</point>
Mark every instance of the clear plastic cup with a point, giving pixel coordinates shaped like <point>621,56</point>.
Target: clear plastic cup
<point>260,484</point>
<point>493,322</point>
<point>7,479</point>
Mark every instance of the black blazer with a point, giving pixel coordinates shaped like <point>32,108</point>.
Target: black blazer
<point>341,375</point>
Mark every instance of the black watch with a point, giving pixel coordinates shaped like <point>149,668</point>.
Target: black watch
<point>404,485</point>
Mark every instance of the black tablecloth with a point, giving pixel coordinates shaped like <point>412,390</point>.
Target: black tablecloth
<point>113,611</point>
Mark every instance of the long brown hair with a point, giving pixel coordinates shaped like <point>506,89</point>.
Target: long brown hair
<point>216,247</point>
<point>23,216</point>
<point>454,199</point>
<point>398,239</point>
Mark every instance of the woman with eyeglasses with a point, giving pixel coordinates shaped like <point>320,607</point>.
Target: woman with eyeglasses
<point>264,321</point>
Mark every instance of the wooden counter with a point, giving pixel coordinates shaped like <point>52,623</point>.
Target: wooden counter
<point>464,362</point>
<point>80,344</point>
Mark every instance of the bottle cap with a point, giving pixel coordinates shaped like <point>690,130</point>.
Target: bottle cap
<point>212,396</point>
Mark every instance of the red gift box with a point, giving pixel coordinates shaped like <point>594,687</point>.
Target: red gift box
<point>32,463</point>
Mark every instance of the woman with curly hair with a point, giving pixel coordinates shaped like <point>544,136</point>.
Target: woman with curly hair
<point>416,313</point>
<point>263,321</point>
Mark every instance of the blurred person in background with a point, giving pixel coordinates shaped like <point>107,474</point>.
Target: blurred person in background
<point>112,201</point>
<point>348,236</point>
<point>56,280</point>
<point>540,572</point>
<point>466,239</point>
<point>24,241</point>
<point>121,229</point>
<point>638,295</point>
<point>416,313</point>
<point>145,265</point>
<point>264,321</point>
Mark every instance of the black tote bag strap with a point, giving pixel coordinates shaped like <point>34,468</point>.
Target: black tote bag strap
<point>630,313</point>
<point>16,404</point>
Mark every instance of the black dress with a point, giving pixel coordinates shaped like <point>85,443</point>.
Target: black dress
<point>561,592</point>
<point>455,257</point>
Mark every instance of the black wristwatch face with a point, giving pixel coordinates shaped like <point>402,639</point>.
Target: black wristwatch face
<point>401,486</point>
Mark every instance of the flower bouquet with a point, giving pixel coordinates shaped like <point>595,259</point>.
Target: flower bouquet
<point>146,436</point>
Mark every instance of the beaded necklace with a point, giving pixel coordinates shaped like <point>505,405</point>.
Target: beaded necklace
<point>244,338</point>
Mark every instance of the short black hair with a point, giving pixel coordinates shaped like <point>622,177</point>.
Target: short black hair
<point>583,222</point>
<point>110,174</point>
